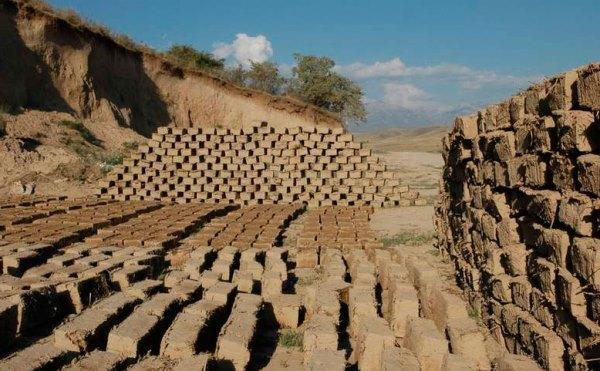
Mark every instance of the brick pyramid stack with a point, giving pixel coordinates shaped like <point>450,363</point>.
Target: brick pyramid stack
<point>257,165</point>
<point>520,217</point>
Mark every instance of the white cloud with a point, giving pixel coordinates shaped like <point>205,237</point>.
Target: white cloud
<point>466,77</point>
<point>407,96</point>
<point>245,49</point>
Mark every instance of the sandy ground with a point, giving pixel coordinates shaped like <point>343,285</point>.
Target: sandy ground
<point>420,170</point>
<point>399,219</point>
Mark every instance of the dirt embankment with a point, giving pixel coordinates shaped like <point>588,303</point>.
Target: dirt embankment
<point>49,64</point>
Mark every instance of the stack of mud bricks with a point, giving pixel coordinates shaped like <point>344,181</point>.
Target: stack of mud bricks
<point>333,227</point>
<point>520,217</point>
<point>257,165</point>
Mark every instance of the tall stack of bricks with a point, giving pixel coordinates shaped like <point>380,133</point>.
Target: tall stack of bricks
<point>257,165</point>
<point>520,217</point>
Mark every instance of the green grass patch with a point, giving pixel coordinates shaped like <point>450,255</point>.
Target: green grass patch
<point>78,126</point>
<point>473,313</point>
<point>407,238</point>
<point>290,339</point>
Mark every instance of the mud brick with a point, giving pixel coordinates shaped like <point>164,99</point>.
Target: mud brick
<point>577,131</point>
<point>41,355</point>
<point>507,232</point>
<point>181,338</point>
<point>500,288</point>
<point>560,95</point>
<point>570,294</point>
<point>175,277</point>
<point>588,86</point>
<point>549,349</point>
<point>575,211</point>
<point>515,258</point>
<point>532,135</point>
<point>552,244</point>
<point>307,258</point>
<point>84,291</point>
<point>513,362</point>
<point>445,307</point>
<point>467,340</point>
<point>562,172</point>
<point>397,358</point>
<point>133,336</point>
<point>427,343</point>
<point>326,360</point>
<point>128,275</point>
<point>589,173</point>
<point>466,126</point>
<point>542,275</point>
<point>18,262</point>
<point>145,289</point>
<point>586,259</point>
<point>320,334</point>
<point>98,360</point>
<point>521,292</point>
<point>188,289</point>
<point>221,292</point>
<point>223,269</point>
<point>237,333</point>
<point>373,337</point>
<point>542,308</point>
<point>271,284</point>
<point>91,326</point>
<point>541,204</point>
<point>287,310</point>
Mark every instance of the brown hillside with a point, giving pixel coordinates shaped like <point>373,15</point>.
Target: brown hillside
<point>51,63</point>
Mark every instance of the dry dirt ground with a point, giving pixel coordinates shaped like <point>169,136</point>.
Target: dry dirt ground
<point>58,153</point>
<point>416,152</point>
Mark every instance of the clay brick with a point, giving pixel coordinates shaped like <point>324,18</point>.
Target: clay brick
<point>513,362</point>
<point>426,342</point>
<point>588,88</point>
<point>577,131</point>
<point>325,359</point>
<point>466,126</point>
<point>91,326</point>
<point>589,173</point>
<point>575,211</point>
<point>586,259</point>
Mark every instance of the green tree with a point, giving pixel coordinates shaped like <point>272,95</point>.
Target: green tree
<point>315,81</point>
<point>265,76</point>
<point>189,57</point>
<point>236,75</point>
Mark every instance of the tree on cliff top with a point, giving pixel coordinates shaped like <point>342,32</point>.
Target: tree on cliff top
<point>189,57</point>
<point>314,81</point>
<point>265,76</point>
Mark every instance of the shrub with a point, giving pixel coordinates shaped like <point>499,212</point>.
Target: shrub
<point>110,161</point>
<point>289,339</point>
<point>76,145</point>
<point>188,57</point>
<point>114,159</point>
<point>85,133</point>
<point>131,146</point>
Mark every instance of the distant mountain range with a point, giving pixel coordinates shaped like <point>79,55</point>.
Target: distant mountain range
<point>381,117</point>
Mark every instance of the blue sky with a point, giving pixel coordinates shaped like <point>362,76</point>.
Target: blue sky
<point>420,62</point>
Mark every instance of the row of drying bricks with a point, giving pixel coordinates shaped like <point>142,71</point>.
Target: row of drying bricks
<point>416,325</point>
<point>128,331</point>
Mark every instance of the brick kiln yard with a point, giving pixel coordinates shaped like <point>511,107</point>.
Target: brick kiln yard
<point>256,248</point>
<point>256,276</point>
<point>104,284</point>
